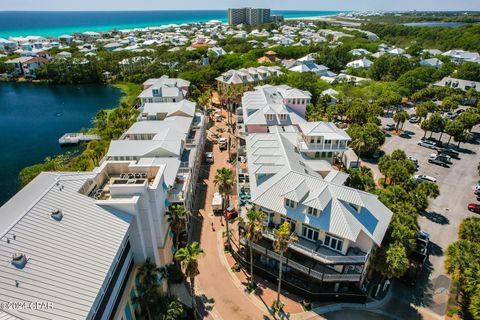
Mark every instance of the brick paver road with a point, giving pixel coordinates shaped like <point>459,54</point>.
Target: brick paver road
<point>214,280</point>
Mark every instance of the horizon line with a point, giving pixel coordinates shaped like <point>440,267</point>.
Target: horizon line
<point>292,10</point>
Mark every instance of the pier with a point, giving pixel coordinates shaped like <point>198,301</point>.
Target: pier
<point>77,137</point>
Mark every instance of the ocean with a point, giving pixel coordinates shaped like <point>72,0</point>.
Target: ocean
<point>56,23</point>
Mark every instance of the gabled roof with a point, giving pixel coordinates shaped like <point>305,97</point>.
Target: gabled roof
<point>328,130</point>
<point>183,108</point>
<point>345,212</point>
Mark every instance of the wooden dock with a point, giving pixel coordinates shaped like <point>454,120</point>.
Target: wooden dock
<point>73,138</point>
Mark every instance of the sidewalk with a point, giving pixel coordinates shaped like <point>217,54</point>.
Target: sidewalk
<point>215,280</point>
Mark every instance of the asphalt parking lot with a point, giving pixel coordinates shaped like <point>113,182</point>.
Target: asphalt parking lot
<point>445,213</point>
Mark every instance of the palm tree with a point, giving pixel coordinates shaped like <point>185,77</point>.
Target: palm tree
<point>148,289</point>
<point>188,257</point>
<point>400,117</point>
<point>360,144</point>
<point>253,232</point>
<point>283,238</point>
<point>177,217</point>
<point>225,179</point>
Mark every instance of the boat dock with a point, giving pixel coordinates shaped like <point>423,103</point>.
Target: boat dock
<point>77,137</point>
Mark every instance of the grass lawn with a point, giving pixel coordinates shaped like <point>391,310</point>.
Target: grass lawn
<point>130,90</point>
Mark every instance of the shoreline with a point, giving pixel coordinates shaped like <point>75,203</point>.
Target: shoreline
<point>55,32</point>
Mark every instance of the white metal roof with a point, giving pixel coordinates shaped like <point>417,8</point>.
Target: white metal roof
<point>184,107</point>
<point>328,130</point>
<point>68,260</point>
<point>294,179</point>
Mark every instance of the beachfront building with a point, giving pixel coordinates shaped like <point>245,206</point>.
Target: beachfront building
<point>73,241</point>
<point>164,89</point>
<point>338,227</point>
<point>251,16</point>
<point>271,106</point>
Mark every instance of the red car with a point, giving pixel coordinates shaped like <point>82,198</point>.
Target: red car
<point>474,207</point>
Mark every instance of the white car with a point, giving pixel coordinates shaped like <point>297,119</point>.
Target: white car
<point>424,178</point>
<point>427,144</point>
<point>414,160</point>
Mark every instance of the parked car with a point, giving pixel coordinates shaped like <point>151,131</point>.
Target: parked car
<point>389,127</point>
<point>414,160</point>
<point>460,111</point>
<point>424,178</point>
<point>438,162</point>
<point>423,239</point>
<point>208,157</point>
<point>414,119</point>
<point>428,144</point>
<point>450,152</point>
<point>441,157</point>
<point>474,207</point>
<point>222,143</point>
<point>451,115</point>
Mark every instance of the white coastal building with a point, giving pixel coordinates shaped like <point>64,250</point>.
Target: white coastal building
<point>73,241</point>
<point>338,227</point>
<point>164,89</point>
<point>271,106</point>
<point>363,63</point>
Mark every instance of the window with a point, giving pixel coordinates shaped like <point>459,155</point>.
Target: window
<point>293,223</point>
<point>312,211</point>
<point>355,207</point>
<point>333,243</point>
<point>290,203</point>
<point>283,117</point>
<point>269,117</point>
<point>312,139</point>
<point>328,141</point>
<point>303,101</point>
<point>133,298</point>
<point>155,92</point>
<point>128,312</point>
<point>309,233</point>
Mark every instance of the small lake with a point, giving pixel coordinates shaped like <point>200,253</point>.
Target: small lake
<point>34,116</point>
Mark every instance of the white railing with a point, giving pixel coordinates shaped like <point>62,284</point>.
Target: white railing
<point>327,259</point>
<point>328,277</point>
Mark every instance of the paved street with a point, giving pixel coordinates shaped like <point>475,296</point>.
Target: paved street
<point>444,214</point>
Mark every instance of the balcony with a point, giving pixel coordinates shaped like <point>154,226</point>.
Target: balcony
<point>323,274</point>
<point>305,147</point>
<point>323,254</point>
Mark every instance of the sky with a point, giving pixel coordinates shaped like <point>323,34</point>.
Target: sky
<point>312,5</point>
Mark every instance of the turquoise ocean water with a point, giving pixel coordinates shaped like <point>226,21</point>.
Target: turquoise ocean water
<point>56,23</point>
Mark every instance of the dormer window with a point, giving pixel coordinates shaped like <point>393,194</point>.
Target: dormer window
<point>155,92</point>
<point>313,211</point>
<point>355,207</point>
<point>290,203</point>
<point>283,117</point>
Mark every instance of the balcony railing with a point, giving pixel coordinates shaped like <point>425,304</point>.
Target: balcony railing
<point>327,277</point>
<point>320,256</point>
<point>306,146</point>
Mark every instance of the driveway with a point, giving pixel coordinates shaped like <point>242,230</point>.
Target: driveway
<point>445,213</point>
